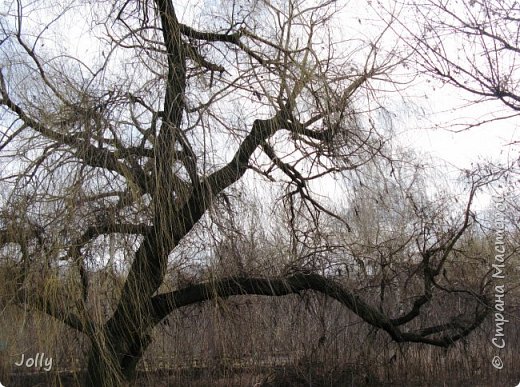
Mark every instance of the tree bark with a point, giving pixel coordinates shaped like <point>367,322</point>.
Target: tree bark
<point>116,364</point>
<point>103,368</point>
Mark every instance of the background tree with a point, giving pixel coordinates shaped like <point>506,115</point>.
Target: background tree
<point>473,46</point>
<point>115,158</point>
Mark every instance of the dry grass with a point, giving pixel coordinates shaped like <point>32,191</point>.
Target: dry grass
<point>264,342</point>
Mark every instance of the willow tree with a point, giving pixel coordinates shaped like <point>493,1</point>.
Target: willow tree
<point>473,46</point>
<point>133,140</point>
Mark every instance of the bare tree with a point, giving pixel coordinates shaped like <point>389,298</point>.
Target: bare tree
<point>409,238</point>
<point>472,45</point>
<point>118,157</point>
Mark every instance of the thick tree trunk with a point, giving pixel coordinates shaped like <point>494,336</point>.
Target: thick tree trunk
<point>104,369</point>
<point>114,356</point>
<point>116,350</point>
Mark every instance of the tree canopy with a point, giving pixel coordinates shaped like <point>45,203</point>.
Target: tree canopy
<point>115,152</point>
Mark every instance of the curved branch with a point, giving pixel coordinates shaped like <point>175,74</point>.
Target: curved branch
<point>82,149</point>
<point>164,304</point>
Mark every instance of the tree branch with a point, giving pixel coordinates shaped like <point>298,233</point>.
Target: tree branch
<point>164,304</point>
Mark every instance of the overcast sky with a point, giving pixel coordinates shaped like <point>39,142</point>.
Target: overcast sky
<point>415,125</point>
<point>416,113</point>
